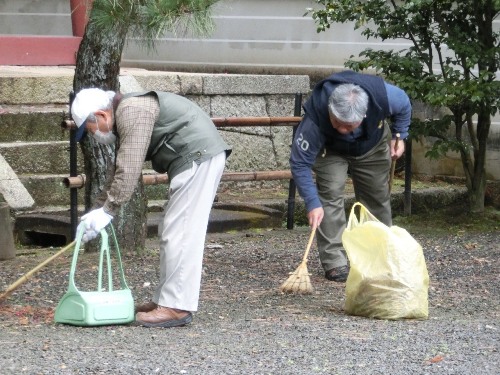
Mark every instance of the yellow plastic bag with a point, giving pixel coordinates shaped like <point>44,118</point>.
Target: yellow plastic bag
<point>388,277</point>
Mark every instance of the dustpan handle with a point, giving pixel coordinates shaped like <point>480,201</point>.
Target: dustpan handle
<point>123,282</point>
<point>104,250</point>
<point>72,287</point>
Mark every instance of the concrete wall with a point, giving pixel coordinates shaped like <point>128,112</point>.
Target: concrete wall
<point>35,17</point>
<point>251,36</point>
<point>257,36</point>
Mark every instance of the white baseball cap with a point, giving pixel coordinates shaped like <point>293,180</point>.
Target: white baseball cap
<point>86,102</point>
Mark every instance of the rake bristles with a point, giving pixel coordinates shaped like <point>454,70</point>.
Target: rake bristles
<point>299,281</point>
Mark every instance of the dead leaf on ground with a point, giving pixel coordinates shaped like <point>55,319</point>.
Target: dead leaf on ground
<point>470,246</point>
<point>435,359</point>
<point>26,315</point>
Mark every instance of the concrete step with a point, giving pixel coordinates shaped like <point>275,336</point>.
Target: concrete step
<point>52,85</point>
<point>36,148</point>
<point>49,189</point>
<point>35,85</point>
<point>32,123</point>
<point>39,158</point>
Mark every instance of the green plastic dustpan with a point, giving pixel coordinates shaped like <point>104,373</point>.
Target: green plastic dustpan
<point>99,307</point>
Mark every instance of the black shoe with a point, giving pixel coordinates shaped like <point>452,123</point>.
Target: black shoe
<point>338,274</point>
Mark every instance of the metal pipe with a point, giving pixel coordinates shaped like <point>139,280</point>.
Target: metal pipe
<point>77,182</point>
<point>73,172</point>
<point>292,188</point>
<point>256,176</point>
<point>74,182</point>
<point>224,122</point>
<point>255,121</point>
<point>68,124</point>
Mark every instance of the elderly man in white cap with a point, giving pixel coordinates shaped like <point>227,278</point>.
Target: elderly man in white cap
<point>180,139</point>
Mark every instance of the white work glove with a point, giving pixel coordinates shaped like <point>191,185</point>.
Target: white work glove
<point>93,223</point>
<point>88,234</point>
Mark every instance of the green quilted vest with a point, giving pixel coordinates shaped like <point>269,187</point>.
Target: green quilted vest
<point>182,134</point>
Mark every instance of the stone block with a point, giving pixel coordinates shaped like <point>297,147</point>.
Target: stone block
<point>238,106</point>
<point>190,83</point>
<point>129,84</point>
<point>202,101</point>
<point>12,189</point>
<point>168,83</point>
<point>250,84</point>
<point>250,152</point>
<point>280,105</point>
<point>281,138</point>
<point>178,83</point>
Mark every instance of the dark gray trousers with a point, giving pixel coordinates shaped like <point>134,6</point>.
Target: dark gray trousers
<point>370,176</point>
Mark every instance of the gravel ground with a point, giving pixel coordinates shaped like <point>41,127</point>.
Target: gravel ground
<point>246,326</point>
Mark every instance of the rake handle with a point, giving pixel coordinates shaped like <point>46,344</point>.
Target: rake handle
<point>309,243</point>
<point>27,275</point>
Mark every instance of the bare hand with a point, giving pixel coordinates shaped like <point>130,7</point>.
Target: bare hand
<point>396,152</point>
<point>315,217</point>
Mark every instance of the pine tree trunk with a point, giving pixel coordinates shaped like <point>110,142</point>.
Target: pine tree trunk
<point>98,65</point>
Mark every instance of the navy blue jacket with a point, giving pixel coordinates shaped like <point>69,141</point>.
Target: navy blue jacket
<point>369,132</point>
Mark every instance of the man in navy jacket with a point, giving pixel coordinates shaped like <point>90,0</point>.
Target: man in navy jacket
<point>344,128</point>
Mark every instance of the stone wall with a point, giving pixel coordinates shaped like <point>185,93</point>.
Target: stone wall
<point>33,101</point>
<point>451,164</point>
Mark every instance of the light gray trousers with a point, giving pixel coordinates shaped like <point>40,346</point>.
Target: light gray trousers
<point>370,174</point>
<point>183,231</point>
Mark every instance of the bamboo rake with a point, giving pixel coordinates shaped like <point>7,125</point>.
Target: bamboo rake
<point>299,281</point>
<point>27,275</point>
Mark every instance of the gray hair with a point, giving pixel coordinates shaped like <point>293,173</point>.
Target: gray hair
<point>348,103</point>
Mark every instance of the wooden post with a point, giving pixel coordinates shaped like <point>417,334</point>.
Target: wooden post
<point>7,249</point>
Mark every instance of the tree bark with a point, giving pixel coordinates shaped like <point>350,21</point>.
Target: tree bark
<point>477,191</point>
<point>98,65</point>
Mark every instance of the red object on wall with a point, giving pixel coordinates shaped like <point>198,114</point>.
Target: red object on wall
<point>46,50</point>
<point>38,50</point>
<point>79,16</point>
